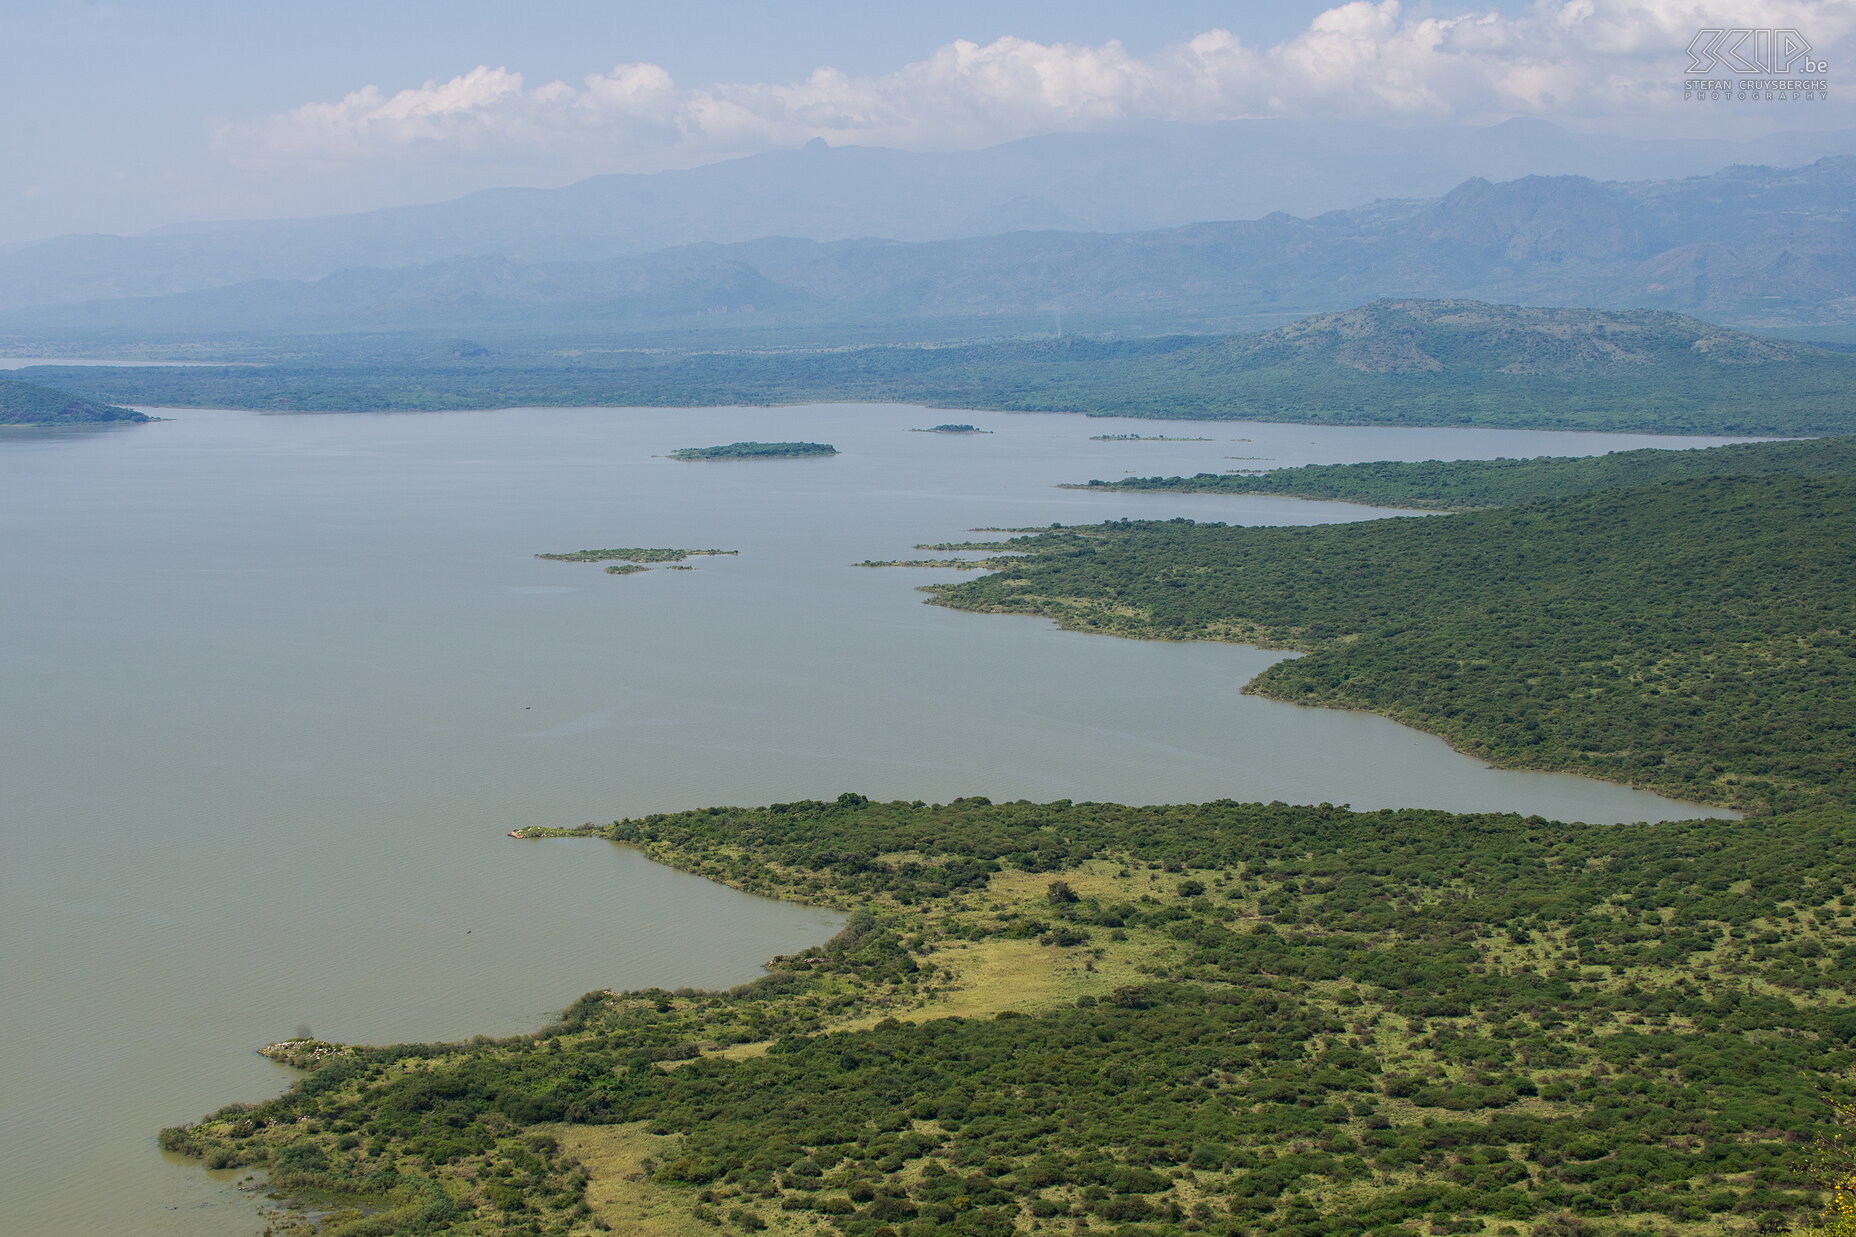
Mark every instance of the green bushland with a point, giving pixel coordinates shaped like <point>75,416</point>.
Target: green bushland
<point>1462,485</point>
<point>1336,1023</point>
<point>958,564</point>
<point>1233,1018</point>
<point>952,428</point>
<point>754,451</point>
<point>1695,638</point>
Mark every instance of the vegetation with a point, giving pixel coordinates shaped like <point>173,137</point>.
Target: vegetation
<point>632,559</point>
<point>1142,438</point>
<point>1460,485</point>
<point>1694,637</point>
<point>959,564</point>
<point>951,428</point>
<point>1838,1172</point>
<point>27,403</point>
<point>755,451</point>
<point>1220,1018</point>
<point>1388,363</point>
<point>1229,1018</point>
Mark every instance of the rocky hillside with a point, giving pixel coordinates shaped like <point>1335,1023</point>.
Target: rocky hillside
<point>1460,336</point>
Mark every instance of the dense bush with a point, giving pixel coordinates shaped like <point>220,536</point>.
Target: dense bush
<point>1460,485</point>
<point>1695,637</point>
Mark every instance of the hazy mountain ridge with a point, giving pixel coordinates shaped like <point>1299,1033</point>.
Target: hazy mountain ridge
<point>1141,178</point>
<point>1757,246</point>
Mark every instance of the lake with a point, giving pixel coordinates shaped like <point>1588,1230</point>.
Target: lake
<point>277,686</point>
<point>21,362</point>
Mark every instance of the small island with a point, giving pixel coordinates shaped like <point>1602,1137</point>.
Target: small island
<point>755,451</point>
<point>1142,438</point>
<point>962,428</point>
<point>28,403</point>
<point>626,560</point>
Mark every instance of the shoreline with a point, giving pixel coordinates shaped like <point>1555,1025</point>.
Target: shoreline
<point>1462,745</point>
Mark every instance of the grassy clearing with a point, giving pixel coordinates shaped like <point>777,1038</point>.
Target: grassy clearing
<point>982,979</point>
<point>621,1193</point>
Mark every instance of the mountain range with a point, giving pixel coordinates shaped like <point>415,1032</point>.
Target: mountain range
<point>1140,178</point>
<point>1747,245</point>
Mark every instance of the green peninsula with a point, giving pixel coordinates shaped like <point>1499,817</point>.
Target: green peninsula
<point>28,403</point>
<point>755,451</point>
<point>1223,1018</point>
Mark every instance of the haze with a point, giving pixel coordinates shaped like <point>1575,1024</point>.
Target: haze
<point>134,117</point>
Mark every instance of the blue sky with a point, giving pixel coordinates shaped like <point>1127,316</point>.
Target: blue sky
<point>127,115</point>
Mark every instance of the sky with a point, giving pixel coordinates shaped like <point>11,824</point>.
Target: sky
<point>126,115</point>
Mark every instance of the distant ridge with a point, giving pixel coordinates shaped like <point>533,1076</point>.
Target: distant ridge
<point>1144,176</point>
<point>1749,245</point>
<point>1391,362</point>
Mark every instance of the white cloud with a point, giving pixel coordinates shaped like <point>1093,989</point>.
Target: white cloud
<point>1612,62</point>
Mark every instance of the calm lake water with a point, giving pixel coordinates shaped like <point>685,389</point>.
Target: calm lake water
<point>276,686</point>
<point>21,362</point>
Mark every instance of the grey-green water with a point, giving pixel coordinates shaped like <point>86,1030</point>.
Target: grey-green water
<point>276,687</point>
<point>21,362</point>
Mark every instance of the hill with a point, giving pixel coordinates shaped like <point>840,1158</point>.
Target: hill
<point>27,403</point>
<point>1463,485</point>
<point>1458,362</point>
<point>1401,362</point>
